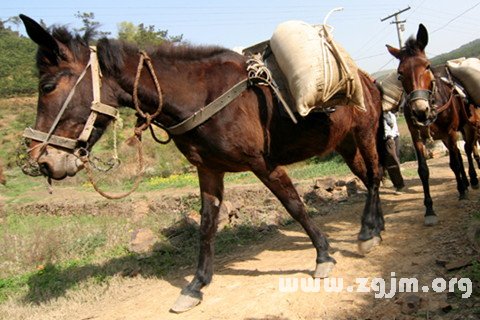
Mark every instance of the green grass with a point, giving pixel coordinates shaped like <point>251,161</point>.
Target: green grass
<point>410,172</point>
<point>302,171</point>
<point>19,184</point>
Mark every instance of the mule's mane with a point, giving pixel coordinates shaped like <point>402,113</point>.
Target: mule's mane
<point>411,47</point>
<point>112,53</point>
<point>73,41</point>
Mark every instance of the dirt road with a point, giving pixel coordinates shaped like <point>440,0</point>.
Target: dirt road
<point>246,283</point>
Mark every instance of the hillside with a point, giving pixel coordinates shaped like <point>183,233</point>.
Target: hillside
<point>17,61</point>
<point>471,49</point>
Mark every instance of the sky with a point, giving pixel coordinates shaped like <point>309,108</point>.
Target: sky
<point>243,23</point>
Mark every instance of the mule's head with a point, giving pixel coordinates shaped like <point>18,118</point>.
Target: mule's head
<point>62,58</point>
<point>416,76</point>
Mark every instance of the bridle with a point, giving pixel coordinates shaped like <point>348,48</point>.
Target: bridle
<point>426,95</point>
<point>96,108</point>
<point>79,146</point>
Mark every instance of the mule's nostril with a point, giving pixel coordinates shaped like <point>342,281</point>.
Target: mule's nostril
<point>45,169</point>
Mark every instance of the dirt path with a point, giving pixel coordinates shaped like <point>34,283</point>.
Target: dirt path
<point>246,283</point>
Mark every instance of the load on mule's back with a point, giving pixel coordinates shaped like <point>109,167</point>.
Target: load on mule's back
<point>319,72</point>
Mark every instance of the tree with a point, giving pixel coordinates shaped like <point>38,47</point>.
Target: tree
<point>15,20</point>
<point>127,31</point>
<point>143,35</point>
<point>90,25</point>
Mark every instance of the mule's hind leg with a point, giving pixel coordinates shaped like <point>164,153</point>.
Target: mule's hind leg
<point>456,164</point>
<point>211,188</point>
<point>476,156</point>
<point>361,155</point>
<point>281,186</point>
<point>470,148</point>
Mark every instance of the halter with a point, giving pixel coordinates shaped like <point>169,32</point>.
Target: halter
<point>426,95</point>
<point>96,108</point>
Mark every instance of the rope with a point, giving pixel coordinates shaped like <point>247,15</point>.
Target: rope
<point>257,69</point>
<point>144,58</point>
<point>86,162</point>
<point>137,137</point>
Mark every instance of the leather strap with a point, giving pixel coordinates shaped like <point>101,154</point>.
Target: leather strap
<point>419,95</point>
<point>209,110</point>
<point>54,140</point>
<point>96,108</point>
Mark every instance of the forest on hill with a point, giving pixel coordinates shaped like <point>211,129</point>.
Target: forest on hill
<point>471,49</point>
<point>18,75</point>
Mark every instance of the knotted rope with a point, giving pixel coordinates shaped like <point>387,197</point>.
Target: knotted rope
<point>142,125</point>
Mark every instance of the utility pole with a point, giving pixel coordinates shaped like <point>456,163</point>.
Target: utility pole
<point>399,23</point>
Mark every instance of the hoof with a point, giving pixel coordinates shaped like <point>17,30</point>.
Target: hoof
<point>431,220</point>
<point>475,186</point>
<point>186,301</point>
<point>365,247</point>
<point>463,196</point>
<point>323,270</point>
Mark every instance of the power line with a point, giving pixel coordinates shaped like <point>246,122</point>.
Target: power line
<point>455,18</point>
<point>372,56</point>
<point>386,64</point>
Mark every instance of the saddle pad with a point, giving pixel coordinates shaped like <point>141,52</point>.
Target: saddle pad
<point>392,91</point>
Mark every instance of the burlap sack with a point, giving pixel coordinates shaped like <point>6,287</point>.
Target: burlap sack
<point>312,70</point>
<point>467,71</point>
<point>392,90</point>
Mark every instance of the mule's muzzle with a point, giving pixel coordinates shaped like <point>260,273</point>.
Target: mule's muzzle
<point>58,164</point>
<point>423,112</point>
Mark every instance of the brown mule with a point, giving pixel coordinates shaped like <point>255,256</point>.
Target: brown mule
<point>434,110</point>
<point>250,134</point>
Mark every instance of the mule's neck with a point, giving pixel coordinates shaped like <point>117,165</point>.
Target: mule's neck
<point>189,77</point>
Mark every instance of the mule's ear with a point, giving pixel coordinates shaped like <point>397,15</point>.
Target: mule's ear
<point>393,51</point>
<point>422,37</point>
<point>39,35</point>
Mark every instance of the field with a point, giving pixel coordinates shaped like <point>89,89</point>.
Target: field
<point>71,254</point>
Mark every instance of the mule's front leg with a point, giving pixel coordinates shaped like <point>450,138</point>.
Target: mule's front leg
<point>211,188</point>
<point>430,216</point>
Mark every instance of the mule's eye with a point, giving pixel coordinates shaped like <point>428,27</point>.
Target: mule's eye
<point>48,87</point>
<point>400,77</point>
